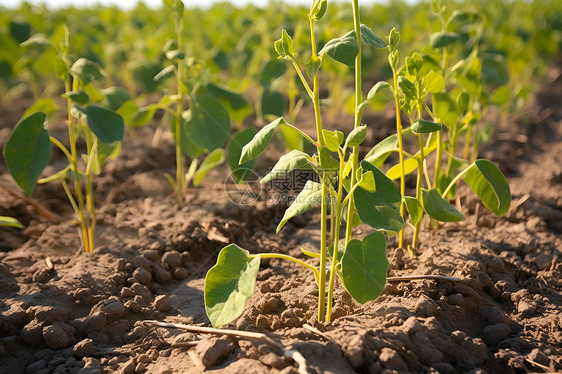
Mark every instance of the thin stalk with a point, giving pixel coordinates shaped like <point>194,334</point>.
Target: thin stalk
<point>357,122</point>
<point>323,255</point>
<point>316,93</point>
<point>462,174</point>
<point>335,239</point>
<point>290,258</point>
<point>74,165</point>
<point>303,80</point>
<point>400,153</point>
<point>452,149</point>
<point>438,158</point>
<point>421,161</point>
<point>90,205</point>
<point>179,110</point>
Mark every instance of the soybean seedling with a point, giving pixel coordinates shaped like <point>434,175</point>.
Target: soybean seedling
<point>348,191</point>
<point>28,149</point>
<point>203,127</point>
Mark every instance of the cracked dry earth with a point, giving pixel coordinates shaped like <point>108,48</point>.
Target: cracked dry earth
<point>63,311</point>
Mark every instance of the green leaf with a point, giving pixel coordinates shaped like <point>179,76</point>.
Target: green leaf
<point>272,102</point>
<point>78,96</point>
<point>104,151</point>
<point>210,162</point>
<point>488,182</point>
<point>364,266</point>
<point>443,39</point>
<point>462,101</point>
<point>313,65</point>
<point>501,95</point>
<point>234,150</point>
<point>174,55</point>
<point>260,141</point>
<point>379,209</point>
<point>380,152</point>
<point>115,97</point>
<point>86,70</point>
<point>229,284</point>
<point>287,163</point>
<point>145,73</point>
<point>378,87</point>
<point>445,109</point>
<point>434,82</point>
<point>333,139</point>
<point>28,150</point>
<point>188,146</point>
<point>371,38</point>
<point>143,115</point>
<point>272,70</point>
<point>367,182</point>
<point>310,253</point>
<point>10,222</point>
<point>414,64</point>
<point>393,38</point>
<point>343,49</point>
<point>310,196</point>
<point>439,208</point>
<point>287,44</point>
<point>421,126</point>
<point>209,125</point>
<point>106,124</point>
<point>46,105</point>
<point>318,9</point>
<point>408,88</point>
<point>415,209</point>
<point>167,72</point>
<point>235,102</point>
<point>410,165</point>
<point>356,136</point>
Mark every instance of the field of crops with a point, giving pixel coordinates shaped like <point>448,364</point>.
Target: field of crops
<point>339,188</point>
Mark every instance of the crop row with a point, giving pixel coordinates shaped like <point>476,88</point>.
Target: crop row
<point>441,73</point>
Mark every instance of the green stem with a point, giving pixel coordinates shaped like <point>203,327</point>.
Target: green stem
<point>301,76</point>
<point>290,258</point>
<point>74,166</point>
<point>316,93</point>
<point>323,250</point>
<point>302,133</point>
<point>400,153</point>
<point>91,143</point>
<point>438,158</point>
<point>462,174</point>
<point>335,239</point>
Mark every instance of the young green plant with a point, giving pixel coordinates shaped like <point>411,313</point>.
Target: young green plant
<point>347,190</point>
<point>91,113</point>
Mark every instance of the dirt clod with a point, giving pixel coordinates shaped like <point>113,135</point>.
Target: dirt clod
<point>84,348</point>
<point>212,351</point>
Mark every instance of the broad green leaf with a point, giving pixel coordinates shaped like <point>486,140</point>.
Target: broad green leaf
<point>415,209</point>
<point>333,139</point>
<point>235,102</point>
<point>356,136</point>
<point>434,82</point>
<point>104,151</point>
<point>343,49</point>
<point>45,105</point>
<point>115,97</point>
<point>78,96</point>
<point>463,101</point>
<point>310,196</point>
<point>28,150</point>
<point>379,209</point>
<point>327,161</point>
<point>443,39</point>
<point>273,103</point>
<point>10,222</point>
<point>209,125</point>
<point>213,159</point>
<point>439,208</point>
<point>488,182</point>
<point>410,165</point>
<point>291,161</point>
<point>371,38</point>
<point>260,141</point>
<point>380,152</point>
<point>287,44</point>
<point>229,284</point>
<point>364,266</point>
<point>188,146</point>
<point>421,126</point>
<point>272,70</point>
<point>86,70</point>
<point>501,95</point>
<point>234,150</point>
<point>408,88</point>
<point>378,87</point>
<point>145,73</point>
<point>106,124</point>
<point>445,109</point>
<point>143,115</point>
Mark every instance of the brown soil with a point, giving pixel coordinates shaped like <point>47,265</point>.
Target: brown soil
<point>86,313</point>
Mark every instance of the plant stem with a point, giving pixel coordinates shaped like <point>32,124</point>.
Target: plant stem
<point>400,152</point>
<point>323,250</point>
<point>290,258</point>
<point>90,206</point>
<point>178,117</point>
<point>462,174</point>
<point>74,165</point>
<point>316,93</point>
